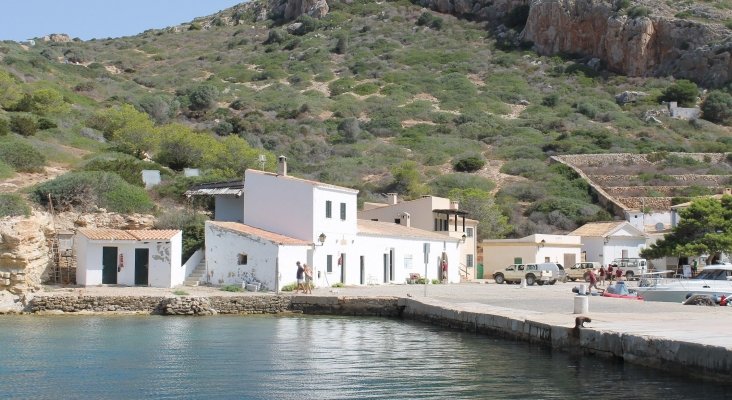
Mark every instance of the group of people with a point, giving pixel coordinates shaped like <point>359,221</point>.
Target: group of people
<point>612,271</point>
<point>304,279</point>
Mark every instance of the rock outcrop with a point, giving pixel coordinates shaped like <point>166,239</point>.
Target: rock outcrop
<point>24,253</point>
<point>654,45</point>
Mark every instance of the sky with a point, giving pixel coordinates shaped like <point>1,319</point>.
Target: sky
<point>87,19</point>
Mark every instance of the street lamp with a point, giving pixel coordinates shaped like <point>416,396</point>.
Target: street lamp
<point>321,238</point>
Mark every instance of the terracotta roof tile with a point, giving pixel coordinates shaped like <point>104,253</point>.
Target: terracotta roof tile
<point>119,234</point>
<point>267,235</point>
<point>599,229</point>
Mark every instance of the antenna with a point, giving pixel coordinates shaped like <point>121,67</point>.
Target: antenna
<point>262,161</point>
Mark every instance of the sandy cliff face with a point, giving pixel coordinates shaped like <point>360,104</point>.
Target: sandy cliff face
<point>646,46</point>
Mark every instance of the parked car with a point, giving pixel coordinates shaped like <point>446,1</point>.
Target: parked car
<point>633,268</point>
<point>531,272</point>
<point>557,270</point>
<point>581,270</point>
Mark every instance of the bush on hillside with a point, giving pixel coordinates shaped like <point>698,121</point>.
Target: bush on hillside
<point>88,190</point>
<point>22,156</point>
<point>4,127</point>
<point>683,91</point>
<point>638,12</point>
<point>128,168</point>
<point>23,125</point>
<point>12,205</point>
<point>432,21</point>
<point>527,168</point>
<point>202,97</point>
<point>192,224</point>
<point>443,184</point>
<point>717,107</point>
<point>468,163</point>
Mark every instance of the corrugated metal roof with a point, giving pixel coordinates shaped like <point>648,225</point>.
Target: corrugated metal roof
<point>598,229</point>
<point>378,228</point>
<point>133,235</point>
<point>234,188</point>
<point>267,235</point>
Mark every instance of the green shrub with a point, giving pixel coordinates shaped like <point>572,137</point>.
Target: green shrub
<point>289,287</point>
<point>622,5</point>
<point>89,189</point>
<point>4,127</point>
<point>432,21</point>
<point>443,184</point>
<point>127,167</point>
<point>717,107</point>
<point>23,125</point>
<point>468,164</point>
<point>22,156</point>
<point>202,97</point>
<point>337,285</point>
<point>45,123</point>
<point>180,292</point>
<point>232,288</point>
<point>6,171</point>
<point>528,168</point>
<point>191,223</point>
<point>683,91</point>
<point>436,281</point>
<point>638,12</point>
<point>12,205</point>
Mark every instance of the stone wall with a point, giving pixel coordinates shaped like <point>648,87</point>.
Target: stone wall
<point>353,306</point>
<point>96,304</point>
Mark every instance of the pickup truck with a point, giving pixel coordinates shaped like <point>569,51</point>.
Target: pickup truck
<point>531,272</point>
<point>581,270</point>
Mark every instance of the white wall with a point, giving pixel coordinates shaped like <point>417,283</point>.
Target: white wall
<point>333,226</point>
<point>229,208</point>
<point>164,264</point>
<point>278,204</point>
<point>615,246</point>
<point>222,255</point>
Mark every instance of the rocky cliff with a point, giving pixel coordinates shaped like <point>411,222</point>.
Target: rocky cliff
<point>655,45</point>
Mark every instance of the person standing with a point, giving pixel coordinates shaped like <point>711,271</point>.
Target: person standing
<point>300,278</point>
<point>610,273</point>
<point>603,273</point>
<point>308,278</point>
<point>618,273</point>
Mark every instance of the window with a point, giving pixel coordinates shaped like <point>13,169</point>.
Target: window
<point>469,261</point>
<point>407,261</point>
<point>343,211</point>
<point>518,260</point>
<point>547,259</point>
<point>328,209</point>
<point>437,224</point>
<point>242,259</point>
<point>397,221</point>
<point>469,232</point>
<point>329,263</point>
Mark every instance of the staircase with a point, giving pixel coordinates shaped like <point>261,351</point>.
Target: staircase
<point>195,277</point>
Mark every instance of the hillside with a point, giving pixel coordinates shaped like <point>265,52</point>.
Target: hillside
<point>377,96</point>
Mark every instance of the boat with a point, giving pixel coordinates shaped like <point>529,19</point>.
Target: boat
<point>620,291</point>
<point>715,280</point>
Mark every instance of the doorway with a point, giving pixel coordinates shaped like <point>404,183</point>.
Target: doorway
<point>109,265</point>
<point>386,267</point>
<point>343,268</point>
<point>142,266</point>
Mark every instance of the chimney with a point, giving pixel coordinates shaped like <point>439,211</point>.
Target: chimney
<point>454,204</point>
<point>392,198</point>
<point>407,219</point>
<point>282,165</point>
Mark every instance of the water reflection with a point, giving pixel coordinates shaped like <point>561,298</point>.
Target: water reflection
<point>301,358</point>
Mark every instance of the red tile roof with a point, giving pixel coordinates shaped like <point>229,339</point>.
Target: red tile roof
<point>267,235</point>
<point>119,234</point>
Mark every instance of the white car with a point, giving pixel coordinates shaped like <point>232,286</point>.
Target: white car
<point>531,272</point>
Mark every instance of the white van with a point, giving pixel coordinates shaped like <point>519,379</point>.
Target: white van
<point>632,268</point>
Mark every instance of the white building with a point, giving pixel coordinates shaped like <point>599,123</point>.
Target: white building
<point>133,257</point>
<point>537,248</point>
<point>431,213</point>
<point>288,219</point>
<point>228,201</point>
<point>605,241</point>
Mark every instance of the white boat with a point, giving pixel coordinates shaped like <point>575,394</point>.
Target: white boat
<point>713,280</point>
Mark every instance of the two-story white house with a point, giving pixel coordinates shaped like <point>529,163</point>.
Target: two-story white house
<point>288,219</point>
<point>431,213</point>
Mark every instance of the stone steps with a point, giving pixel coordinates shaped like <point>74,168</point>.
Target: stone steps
<point>195,277</point>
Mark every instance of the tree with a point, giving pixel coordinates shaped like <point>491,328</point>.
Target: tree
<point>407,180</point>
<point>684,92</point>
<point>717,107</point>
<point>48,101</point>
<point>111,120</point>
<point>480,205</point>
<point>232,155</point>
<point>202,97</point>
<point>705,228</point>
<point>10,90</point>
<point>180,147</point>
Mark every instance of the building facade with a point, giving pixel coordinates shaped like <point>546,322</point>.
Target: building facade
<point>537,248</point>
<point>605,241</point>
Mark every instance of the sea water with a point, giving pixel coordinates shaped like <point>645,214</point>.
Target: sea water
<point>303,357</point>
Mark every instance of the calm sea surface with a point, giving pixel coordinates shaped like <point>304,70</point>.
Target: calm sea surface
<point>305,357</point>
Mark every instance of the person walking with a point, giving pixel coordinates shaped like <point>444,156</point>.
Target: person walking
<point>300,278</point>
<point>308,279</point>
<point>610,273</point>
<point>593,281</point>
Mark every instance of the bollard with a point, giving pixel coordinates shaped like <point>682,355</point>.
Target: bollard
<point>582,289</point>
<point>581,304</point>
<point>523,282</point>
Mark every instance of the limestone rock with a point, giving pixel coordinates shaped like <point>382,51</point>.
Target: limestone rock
<point>291,9</point>
<point>57,38</point>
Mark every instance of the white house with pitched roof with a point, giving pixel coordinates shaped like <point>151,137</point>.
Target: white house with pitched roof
<point>129,257</point>
<point>605,241</point>
<point>288,219</point>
